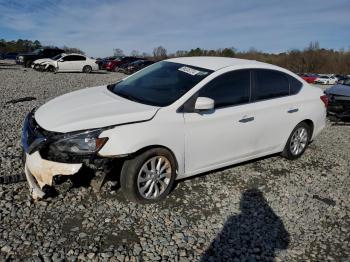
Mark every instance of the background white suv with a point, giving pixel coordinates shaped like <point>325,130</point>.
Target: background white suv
<point>174,119</point>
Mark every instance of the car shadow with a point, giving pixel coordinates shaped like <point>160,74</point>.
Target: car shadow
<point>255,234</point>
<point>179,181</point>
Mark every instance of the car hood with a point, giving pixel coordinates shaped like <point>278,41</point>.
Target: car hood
<point>340,90</point>
<point>91,108</point>
<point>38,61</point>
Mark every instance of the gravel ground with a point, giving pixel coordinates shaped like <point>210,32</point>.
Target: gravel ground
<point>268,209</point>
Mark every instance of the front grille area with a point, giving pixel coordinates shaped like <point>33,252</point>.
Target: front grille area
<point>33,136</point>
<point>36,138</point>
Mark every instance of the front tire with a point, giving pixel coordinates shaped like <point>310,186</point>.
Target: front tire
<point>149,177</point>
<point>28,64</point>
<point>87,69</point>
<point>297,141</point>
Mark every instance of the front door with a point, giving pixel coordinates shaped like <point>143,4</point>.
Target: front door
<point>221,136</point>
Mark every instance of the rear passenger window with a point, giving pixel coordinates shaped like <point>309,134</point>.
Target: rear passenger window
<point>270,84</point>
<point>77,58</point>
<point>295,85</point>
<point>229,89</point>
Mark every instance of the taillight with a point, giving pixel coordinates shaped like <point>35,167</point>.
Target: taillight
<point>325,100</point>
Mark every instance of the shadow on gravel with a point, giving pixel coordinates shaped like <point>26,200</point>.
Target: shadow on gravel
<point>253,235</point>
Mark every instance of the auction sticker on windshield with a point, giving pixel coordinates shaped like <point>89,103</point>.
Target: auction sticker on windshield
<point>189,70</point>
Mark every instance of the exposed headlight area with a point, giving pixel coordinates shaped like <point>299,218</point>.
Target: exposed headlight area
<point>20,58</point>
<point>81,144</point>
<point>73,147</point>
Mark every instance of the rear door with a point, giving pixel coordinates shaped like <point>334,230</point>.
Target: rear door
<point>79,62</point>
<point>276,108</point>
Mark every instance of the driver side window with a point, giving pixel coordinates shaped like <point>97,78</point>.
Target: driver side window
<point>229,89</point>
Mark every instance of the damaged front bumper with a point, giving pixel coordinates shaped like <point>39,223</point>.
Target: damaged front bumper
<point>40,172</point>
<point>41,165</point>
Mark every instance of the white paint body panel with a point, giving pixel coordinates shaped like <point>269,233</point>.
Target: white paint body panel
<point>199,142</point>
<point>90,108</point>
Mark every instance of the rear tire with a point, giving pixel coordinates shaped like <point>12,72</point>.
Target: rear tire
<point>87,69</point>
<point>297,141</point>
<point>149,177</point>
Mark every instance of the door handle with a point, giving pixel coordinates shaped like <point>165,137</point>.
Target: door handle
<point>246,119</point>
<point>294,110</point>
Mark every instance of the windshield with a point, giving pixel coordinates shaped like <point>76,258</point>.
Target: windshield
<point>57,57</point>
<point>37,51</point>
<point>324,77</point>
<point>160,84</point>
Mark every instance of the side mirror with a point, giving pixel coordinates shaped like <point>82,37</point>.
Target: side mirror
<point>204,103</point>
<point>60,60</point>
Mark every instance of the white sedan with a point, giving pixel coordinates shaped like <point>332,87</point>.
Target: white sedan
<point>70,63</point>
<point>326,80</point>
<point>172,120</point>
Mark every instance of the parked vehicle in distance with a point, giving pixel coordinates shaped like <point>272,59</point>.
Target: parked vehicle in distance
<point>70,63</point>
<point>10,55</point>
<point>326,80</point>
<point>172,120</point>
<point>339,100</point>
<point>43,63</point>
<point>27,59</point>
<point>102,61</point>
<point>136,66</point>
<point>310,78</point>
<point>342,78</point>
<point>113,65</point>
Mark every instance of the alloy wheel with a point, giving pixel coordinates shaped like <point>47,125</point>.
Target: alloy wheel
<point>298,141</point>
<point>154,177</point>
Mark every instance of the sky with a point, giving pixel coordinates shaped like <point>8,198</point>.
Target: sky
<point>99,26</point>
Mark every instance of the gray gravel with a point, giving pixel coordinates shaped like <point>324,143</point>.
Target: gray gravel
<point>268,209</point>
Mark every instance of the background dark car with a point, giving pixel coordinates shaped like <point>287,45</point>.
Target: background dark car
<point>114,64</point>
<point>27,59</point>
<point>136,66</point>
<point>102,61</point>
<point>123,67</point>
<point>342,78</point>
<point>339,100</point>
<point>10,55</point>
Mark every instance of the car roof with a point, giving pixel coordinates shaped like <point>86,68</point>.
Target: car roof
<point>216,63</point>
<point>65,54</point>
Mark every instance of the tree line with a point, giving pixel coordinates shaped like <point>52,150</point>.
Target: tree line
<point>22,46</point>
<point>312,59</point>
